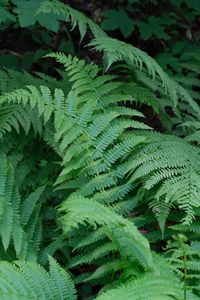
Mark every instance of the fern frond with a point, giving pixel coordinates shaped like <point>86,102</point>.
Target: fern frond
<point>75,17</point>
<point>146,287</point>
<point>27,280</point>
<point>170,165</point>
<point>15,214</point>
<point>116,50</point>
<point>129,242</point>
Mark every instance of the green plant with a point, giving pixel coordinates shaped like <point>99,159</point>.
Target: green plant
<point>118,19</point>
<point>85,180</point>
<point>27,280</point>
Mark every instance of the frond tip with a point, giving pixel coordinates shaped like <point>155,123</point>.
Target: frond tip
<point>116,50</point>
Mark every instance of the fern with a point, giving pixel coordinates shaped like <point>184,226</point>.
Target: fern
<point>185,261</point>
<point>75,17</point>
<point>20,221</point>
<point>95,213</point>
<point>115,50</point>
<point>27,280</point>
<point>175,172</point>
<point>91,144</point>
<point>84,179</point>
<point>118,51</point>
<point>146,287</point>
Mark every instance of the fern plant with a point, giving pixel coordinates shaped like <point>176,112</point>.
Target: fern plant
<point>173,177</point>
<point>89,196</point>
<point>28,280</point>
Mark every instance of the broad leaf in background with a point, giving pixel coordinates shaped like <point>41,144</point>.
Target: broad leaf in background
<point>27,13</point>
<point>153,27</point>
<point>118,19</point>
<point>5,15</point>
<point>194,4</point>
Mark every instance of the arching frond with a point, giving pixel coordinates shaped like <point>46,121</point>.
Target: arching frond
<point>116,50</point>
<point>75,17</point>
<point>28,280</point>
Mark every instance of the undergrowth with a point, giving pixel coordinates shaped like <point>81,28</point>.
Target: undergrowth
<point>95,203</point>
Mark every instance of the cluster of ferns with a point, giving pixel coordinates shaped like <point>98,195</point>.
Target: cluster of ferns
<point>93,200</point>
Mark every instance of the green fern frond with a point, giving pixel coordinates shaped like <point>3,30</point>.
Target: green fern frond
<point>191,263</point>
<point>29,204</point>
<point>15,214</point>
<point>146,287</point>
<point>89,258</point>
<point>129,242</point>
<point>116,50</point>
<point>75,17</point>
<point>170,165</point>
<point>27,280</point>
<point>106,269</point>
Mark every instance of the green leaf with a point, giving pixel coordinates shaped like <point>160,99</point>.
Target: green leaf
<point>167,59</point>
<point>29,204</point>
<point>118,19</point>
<point>48,21</point>
<point>5,15</point>
<point>27,13</point>
<point>193,4</point>
<point>9,61</point>
<point>153,27</point>
<point>177,2</point>
<point>145,30</point>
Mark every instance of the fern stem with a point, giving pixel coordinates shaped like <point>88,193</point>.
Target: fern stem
<point>185,275</point>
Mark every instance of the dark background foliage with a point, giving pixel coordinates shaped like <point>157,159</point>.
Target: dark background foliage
<point>166,30</point>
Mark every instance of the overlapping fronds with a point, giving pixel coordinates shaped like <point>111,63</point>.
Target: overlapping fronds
<point>19,219</point>
<point>109,173</point>
<point>28,280</point>
<point>116,50</point>
<point>73,16</point>
<point>170,166</point>
<point>123,234</point>
<point>146,287</point>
